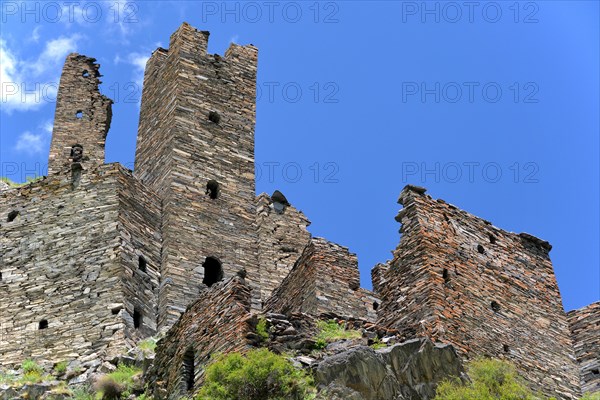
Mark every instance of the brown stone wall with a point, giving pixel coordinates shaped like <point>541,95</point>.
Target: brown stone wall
<point>324,280</point>
<point>65,260</point>
<point>458,279</point>
<point>82,116</point>
<point>282,237</point>
<point>585,331</point>
<point>218,322</point>
<point>197,125</point>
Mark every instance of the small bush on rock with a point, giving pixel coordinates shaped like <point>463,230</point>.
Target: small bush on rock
<point>261,329</point>
<point>490,380</point>
<point>60,368</point>
<point>32,372</point>
<point>30,366</point>
<point>148,346</point>
<point>259,375</point>
<point>331,331</point>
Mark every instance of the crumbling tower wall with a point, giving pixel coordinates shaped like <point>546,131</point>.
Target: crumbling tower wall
<point>282,237</point>
<point>196,150</point>
<point>324,280</point>
<point>458,279</point>
<point>82,117</point>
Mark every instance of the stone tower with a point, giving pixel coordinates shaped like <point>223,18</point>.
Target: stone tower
<point>82,117</point>
<point>458,279</point>
<point>196,150</point>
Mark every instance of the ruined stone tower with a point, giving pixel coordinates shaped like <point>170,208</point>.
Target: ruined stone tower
<point>94,258</point>
<point>79,249</point>
<point>82,117</point>
<point>196,150</point>
<point>458,279</point>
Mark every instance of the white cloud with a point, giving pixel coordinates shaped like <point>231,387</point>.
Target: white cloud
<point>30,143</point>
<point>27,84</point>
<point>138,61</point>
<point>234,39</point>
<point>55,53</point>
<point>35,35</point>
<point>35,143</point>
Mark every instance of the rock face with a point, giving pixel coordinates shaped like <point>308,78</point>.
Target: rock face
<point>406,371</point>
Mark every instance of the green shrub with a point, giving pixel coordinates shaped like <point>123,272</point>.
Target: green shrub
<point>261,329</point>
<point>60,368</point>
<point>331,331</point>
<point>30,366</point>
<point>82,393</point>
<point>378,344</point>
<point>6,378</point>
<point>591,396</point>
<point>148,346</point>
<point>28,180</point>
<point>32,372</point>
<point>490,379</point>
<point>259,375</point>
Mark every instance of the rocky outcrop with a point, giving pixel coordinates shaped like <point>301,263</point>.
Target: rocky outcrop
<point>406,371</point>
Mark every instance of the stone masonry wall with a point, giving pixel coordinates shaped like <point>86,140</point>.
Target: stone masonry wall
<point>65,278</point>
<point>82,116</point>
<point>325,280</point>
<point>458,279</point>
<point>140,254</point>
<point>218,322</point>
<point>282,237</point>
<point>196,142</point>
<point>585,330</point>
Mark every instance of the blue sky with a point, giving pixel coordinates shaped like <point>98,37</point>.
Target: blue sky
<point>491,106</point>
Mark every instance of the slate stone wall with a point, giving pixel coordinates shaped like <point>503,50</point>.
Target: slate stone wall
<point>282,237</point>
<point>69,278</point>
<point>458,279</point>
<point>585,330</point>
<point>218,322</point>
<point>324,280</point>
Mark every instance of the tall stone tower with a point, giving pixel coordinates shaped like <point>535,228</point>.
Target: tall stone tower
<point>196,150</point>
<point>82,117</point>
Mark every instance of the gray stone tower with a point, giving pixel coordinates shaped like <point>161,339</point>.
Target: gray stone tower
<point>196,150</point>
